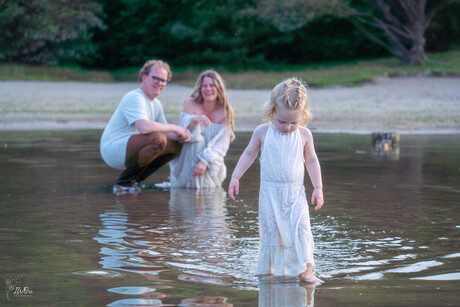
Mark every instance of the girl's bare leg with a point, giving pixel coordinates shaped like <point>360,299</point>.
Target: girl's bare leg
<point>308,275</point>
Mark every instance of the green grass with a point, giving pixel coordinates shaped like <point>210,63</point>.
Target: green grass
<point>57,111</point>
<point>350,73</point>
<point>344,74</point>
<point>51,73</point>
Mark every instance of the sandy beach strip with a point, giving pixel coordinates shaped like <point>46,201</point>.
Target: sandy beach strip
<point>405,105</point>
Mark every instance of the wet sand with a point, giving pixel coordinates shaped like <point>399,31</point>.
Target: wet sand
<point>405,105</point>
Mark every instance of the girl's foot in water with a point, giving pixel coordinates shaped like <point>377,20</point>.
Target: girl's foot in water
<point>310,278</point>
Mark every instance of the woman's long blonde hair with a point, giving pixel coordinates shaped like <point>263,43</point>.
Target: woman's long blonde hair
<point>291,93</point>
<point>221,96</point>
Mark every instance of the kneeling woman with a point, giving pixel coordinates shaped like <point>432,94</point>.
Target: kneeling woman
<point>208,116</point>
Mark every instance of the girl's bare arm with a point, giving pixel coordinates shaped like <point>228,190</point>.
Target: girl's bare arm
<point>246,159</point>
<point>313,169</point>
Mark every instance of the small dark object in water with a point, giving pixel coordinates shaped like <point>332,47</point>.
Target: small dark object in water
<point>385,140</point>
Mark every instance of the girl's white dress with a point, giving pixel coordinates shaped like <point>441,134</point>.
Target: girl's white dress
<point>286,241</point>
<point>207,144</point>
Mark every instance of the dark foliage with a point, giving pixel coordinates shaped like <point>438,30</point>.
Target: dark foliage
<point>111,34</point>
<point>47,31</point>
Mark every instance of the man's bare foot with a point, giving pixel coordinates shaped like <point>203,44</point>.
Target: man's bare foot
<point>309,278</point>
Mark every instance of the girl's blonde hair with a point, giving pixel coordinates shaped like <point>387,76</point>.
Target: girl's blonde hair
<point>221,96</point>
<point>291,93</point>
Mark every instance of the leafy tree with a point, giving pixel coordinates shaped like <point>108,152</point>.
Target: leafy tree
<point>444,31</point>
<point>330,38</point>
<point>136,31</point>
<point>184,32</point>
<point>397,25</point>
<point>212,31</point>
<point>288,15</point>
<point>46,31</point>
<point>403,24</point>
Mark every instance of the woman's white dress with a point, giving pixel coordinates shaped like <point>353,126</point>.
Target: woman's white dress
<point>286,241</point>
<point>207,144</point>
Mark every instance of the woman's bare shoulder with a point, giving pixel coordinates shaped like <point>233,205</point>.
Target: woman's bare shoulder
<point>190,106</point>
<point>218,115</point>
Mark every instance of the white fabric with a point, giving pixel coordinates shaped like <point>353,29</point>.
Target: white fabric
<point>135,105</point>
<point>208,144</point>
<point>286,241</point>
<point>289,294</point>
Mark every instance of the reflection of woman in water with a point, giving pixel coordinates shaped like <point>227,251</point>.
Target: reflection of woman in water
<point>209,117</point>
<point>200,216</point>
<point>186,227</point>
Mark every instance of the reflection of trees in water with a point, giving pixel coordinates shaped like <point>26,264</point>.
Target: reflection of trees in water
<point>149,233</point>
<point>371,186</point>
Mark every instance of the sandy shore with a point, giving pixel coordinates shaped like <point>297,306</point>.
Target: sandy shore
<point>406,105</point>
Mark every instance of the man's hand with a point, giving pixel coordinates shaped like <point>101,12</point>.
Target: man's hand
<point>182,134</point>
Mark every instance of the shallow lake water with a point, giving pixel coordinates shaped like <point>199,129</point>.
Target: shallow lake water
<point>387,235</point>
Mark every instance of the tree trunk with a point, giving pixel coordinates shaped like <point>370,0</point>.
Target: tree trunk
<point>405,33</point>
<point>417,22</point>
<point>417,51</point>
<point>402,23</point>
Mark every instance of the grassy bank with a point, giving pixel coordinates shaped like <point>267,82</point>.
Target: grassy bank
<point>50,73</point>
<point>330,74</point>
<point>316,75</point>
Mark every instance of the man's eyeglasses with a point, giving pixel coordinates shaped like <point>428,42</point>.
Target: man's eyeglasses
<point>159,80</point>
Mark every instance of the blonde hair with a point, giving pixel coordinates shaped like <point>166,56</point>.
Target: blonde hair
<point>145,70</point>
<point>291,93</point>
<point>221,96</point>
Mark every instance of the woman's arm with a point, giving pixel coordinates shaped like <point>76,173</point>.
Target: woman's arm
<point>190,107</point>
<point>212,156</point>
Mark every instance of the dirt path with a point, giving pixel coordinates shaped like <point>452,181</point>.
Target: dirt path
<point>407,105</point>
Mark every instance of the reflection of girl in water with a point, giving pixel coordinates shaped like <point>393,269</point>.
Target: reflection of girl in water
<point>286,241</point>
<point>285,294</point>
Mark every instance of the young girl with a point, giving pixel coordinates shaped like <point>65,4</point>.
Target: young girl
<point>286,242</point>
